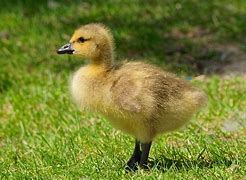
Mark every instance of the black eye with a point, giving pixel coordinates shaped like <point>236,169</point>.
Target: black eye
<point>81,40</point>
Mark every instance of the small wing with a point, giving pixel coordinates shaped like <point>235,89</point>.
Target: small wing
<point>125,94</point>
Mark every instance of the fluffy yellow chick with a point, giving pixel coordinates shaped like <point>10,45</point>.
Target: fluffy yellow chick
<point>137,98</point>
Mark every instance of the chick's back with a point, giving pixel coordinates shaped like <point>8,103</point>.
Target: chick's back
<point>142,88</point>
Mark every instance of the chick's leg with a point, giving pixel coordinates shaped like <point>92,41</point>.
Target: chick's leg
<point>144,155</point>
<point>135,158</point>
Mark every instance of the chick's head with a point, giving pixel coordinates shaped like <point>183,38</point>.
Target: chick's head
<point>92,41</point>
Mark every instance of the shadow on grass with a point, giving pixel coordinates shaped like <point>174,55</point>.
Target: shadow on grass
<point>163,163</point>
<point>6,82</point>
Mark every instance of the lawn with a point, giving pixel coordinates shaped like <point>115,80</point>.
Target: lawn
<point>44,136</point>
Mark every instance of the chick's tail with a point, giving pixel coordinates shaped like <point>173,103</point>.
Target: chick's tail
<point>196,99</point>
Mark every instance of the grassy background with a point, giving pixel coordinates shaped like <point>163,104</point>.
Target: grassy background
<point>43,135</point>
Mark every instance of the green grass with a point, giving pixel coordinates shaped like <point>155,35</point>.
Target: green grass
<point>44,136</point>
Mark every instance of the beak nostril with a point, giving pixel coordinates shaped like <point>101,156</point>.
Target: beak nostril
<point>66,49</point>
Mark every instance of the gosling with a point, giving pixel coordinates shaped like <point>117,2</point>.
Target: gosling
<point>137,98</point>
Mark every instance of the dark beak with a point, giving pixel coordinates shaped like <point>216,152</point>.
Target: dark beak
<point>66,49</point>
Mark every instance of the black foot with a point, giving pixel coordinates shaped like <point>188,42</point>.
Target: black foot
<point>139,158</point>
<point>132,164</point>
<point>144,156</point>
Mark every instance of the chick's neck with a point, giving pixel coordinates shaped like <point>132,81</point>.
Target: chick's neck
<point>104,59</point>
